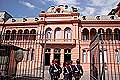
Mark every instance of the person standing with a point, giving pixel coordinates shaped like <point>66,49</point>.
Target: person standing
<point>78,71</point>
<point>55,70</point>
<point>66,70</point>
<point>71,66</point>
<point>51,70</point>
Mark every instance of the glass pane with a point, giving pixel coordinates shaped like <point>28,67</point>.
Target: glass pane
<point>58,35</point>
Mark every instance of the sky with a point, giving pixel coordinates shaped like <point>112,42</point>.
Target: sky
<point>32,8</point>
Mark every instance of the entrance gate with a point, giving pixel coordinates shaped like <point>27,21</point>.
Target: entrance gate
<point>105,57</point>
<point>31,67</point>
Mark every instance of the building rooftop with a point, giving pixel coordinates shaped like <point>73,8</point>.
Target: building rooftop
<point>24,20</point>
<point>61,9</point>
<point>102,17</point>
<point>4,16</point>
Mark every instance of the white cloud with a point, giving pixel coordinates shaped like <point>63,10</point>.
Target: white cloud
<point>103,2</point>
<point>105,10</point>
<point>66,2</point>
<point>88,11</point>
<point>29,5</point>
<point>105,6</point>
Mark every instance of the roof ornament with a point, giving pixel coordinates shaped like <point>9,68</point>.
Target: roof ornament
<point>13,20</point>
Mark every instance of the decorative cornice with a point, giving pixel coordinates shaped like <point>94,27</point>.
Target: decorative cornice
<point>101,22</point>
<point>57,14</point>
<point>21,24</point>
<point>62,22</point>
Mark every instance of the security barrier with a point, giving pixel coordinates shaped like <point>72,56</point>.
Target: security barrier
<point>105,57</point>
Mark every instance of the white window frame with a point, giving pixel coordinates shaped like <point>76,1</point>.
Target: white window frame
<point>84,56</point>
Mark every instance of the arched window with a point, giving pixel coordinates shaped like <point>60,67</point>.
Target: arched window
<point>13,35</point>
<point>109,34</point>
<point>33,34</point>
<point>7,37</point>
<point>48,33</point>
<point>92,33</point>
<point>117,56</point>
<point>58,33</point>
<point>101,31</point>
<point>67,33</point>
<point>85,34</point>
<point>26,34</point>
<point>19,35</point>
<point>116,34</point>
<point>84,56</point>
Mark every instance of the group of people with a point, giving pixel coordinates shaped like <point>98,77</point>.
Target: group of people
<point>69,70</point>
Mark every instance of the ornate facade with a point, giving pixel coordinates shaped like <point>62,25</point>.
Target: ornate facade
<point>61,31</point>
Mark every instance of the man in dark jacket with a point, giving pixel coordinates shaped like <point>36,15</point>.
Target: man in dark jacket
<point>78,71</point>
<point>71,66</point>
<point>66,70</point>
<point>55,70</point>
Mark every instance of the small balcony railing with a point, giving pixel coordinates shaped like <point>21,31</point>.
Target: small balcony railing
<point>58,41</point>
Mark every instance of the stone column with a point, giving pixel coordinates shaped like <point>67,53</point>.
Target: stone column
<point>62,57</point>
<point>51,55</point>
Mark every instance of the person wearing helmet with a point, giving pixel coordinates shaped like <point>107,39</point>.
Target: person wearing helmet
<point>55,70</point>
<point>51,69</point>
<point>78,71</point>
<point>71,66</point>
<point>66,70</point>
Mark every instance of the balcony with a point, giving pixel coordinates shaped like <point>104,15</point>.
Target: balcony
<point>42,41</point>
<point>58,41</point>
<point>85,42</point>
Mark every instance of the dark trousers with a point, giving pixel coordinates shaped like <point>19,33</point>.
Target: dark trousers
<point>70,77</point>
<point>55,79</point>
<point>77,78</point>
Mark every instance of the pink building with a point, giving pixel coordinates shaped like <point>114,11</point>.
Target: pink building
<point>68,36</point>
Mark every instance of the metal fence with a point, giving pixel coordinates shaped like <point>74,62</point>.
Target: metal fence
<point>11,65</point>
<point>105,57</point>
